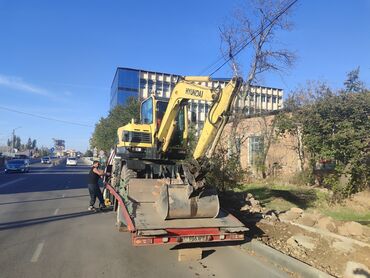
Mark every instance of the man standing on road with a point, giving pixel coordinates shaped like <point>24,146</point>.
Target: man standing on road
<point>93,183</point>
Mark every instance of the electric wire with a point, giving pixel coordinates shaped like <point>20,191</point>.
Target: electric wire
<point>242,45</point>
<point>43,117</point>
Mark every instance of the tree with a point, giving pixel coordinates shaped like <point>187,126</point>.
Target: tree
<point>34,144</point>
<point>104,136</point>
<point>29,144</point>
<point>44,151</point>
<point>258,22</point>
<point>332,127</point>
<point>88,153</point>
<point>336,128</point>
<point>353,82</point>
<point>17,143</point>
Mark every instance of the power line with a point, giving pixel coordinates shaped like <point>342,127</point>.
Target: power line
<point>242,45</point>
<point>43,117</point>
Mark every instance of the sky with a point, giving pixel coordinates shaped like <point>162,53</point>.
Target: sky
<point>58,58</point>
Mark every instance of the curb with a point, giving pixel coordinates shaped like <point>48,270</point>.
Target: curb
<point>286,261</point>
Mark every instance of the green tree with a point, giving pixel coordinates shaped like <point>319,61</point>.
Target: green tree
<point>104,136</point>
<point>353,82</point>
<point>333,127</point>
<point>337,128</point>
<point>29,144</point>
<point>34,144</point>
<point>17,143</point>
<point>88,153</point>
<point>44,151</point>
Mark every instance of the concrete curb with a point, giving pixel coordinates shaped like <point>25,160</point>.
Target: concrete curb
<point>286,261</point>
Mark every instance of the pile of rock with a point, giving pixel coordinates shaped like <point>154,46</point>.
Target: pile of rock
<point>251,205</point>
<point>325,223</point>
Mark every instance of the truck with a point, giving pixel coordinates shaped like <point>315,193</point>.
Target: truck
<point>157,184</point>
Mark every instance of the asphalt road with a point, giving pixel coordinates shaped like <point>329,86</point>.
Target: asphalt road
<point>46,231</point>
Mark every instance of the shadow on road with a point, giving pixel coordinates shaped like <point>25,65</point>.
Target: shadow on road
<point>209,244</point>
<point>43,186</point>
<point>41,220</point>
<point>40,200</point>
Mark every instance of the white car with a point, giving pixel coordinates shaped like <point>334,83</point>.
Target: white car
<point>71,161</point>
<point>46,160</point>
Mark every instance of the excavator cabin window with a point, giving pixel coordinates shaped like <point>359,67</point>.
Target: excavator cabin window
<point>147,111</point>
<point>160,110</point>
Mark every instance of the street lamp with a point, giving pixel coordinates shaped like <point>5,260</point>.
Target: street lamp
<point>13,133</point>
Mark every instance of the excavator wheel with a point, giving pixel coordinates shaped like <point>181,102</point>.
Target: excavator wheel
<point>116,167</point>
<point>125,177</point>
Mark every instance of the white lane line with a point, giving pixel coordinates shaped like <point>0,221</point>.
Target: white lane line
<point>37,253</point>
<point>56,211</point>
<point>11,182</point>
<point>63,196</point>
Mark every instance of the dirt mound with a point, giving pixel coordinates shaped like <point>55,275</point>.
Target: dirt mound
<point>318,240</point>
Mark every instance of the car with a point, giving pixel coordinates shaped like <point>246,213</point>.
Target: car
<point>45,160</point>
<point>17,165</point>
<point>21,156</point>
<point>71,161</point>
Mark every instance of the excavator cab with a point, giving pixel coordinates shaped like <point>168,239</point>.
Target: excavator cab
<point>142,136</point>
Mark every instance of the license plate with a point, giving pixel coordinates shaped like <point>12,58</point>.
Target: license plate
<point>194,238</point>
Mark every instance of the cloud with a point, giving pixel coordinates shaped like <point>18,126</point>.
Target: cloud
<point>17,83</point>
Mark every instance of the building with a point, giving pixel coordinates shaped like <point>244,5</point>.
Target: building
<point>261,149</point>
<point>140,83</point>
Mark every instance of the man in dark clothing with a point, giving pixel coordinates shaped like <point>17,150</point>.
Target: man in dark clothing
<point>93,184</point>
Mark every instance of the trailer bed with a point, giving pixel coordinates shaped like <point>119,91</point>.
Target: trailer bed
<point>147,227</point>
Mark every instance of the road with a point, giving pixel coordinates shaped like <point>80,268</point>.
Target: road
<point>46,231</point>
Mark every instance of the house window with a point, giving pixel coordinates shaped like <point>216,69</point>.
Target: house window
<point>256,148</point>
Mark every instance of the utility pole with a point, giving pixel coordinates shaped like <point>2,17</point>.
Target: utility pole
<point>13,134</point>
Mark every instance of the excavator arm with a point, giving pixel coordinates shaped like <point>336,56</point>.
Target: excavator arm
<point>221,100</point>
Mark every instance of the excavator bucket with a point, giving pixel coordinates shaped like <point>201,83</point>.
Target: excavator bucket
<point>175,202</point>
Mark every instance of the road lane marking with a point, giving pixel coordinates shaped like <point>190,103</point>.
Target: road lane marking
<point>56,211</point>
<point>11,182</point>
<point>37,253</point>
<point>63,196</point>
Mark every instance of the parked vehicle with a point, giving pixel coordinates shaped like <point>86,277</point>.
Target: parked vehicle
<point>45,160</point>
<point>17,165</point>
<point>71,161</point>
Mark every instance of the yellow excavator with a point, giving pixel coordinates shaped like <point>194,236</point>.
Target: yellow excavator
<point>152,157</point>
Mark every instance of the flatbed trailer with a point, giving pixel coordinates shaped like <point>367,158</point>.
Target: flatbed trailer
<point>147,228</point>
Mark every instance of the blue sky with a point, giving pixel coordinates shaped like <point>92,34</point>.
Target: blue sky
<point>58,58</point>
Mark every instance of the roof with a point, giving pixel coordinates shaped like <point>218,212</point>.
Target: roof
<point>222,79</point>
